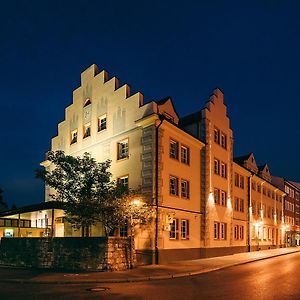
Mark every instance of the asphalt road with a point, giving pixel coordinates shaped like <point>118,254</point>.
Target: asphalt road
<point>274,278</point>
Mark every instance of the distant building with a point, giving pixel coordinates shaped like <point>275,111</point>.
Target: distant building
<point>291,209</point>
<point>205,202</point>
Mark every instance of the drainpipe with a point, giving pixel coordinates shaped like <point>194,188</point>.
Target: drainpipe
<point>249,206</point>
<point>156,191</point>
<point>52,223</point>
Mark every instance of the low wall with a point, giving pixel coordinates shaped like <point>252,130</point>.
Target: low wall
<point>68,253</point>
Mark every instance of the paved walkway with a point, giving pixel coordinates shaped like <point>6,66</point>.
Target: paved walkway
<point>143,273</point>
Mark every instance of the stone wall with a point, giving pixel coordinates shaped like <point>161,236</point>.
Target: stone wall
<point>68,253</point>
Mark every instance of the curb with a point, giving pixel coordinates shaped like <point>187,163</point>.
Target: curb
<point>139,279</point>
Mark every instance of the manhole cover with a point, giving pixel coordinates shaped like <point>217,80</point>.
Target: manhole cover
<point>98,289</point>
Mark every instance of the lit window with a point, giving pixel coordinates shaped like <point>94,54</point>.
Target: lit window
<point>185,229</point>
<point>123,149</point>
<point>185,155</point>
<point>87,130</point>
<point>185,189</point>
<point>217,136</point>
<point>223,170</point>
<point>217,166</point>
<point>173,185</point>
<point>74,136</point>
<point>174,230</point>
<point>102,123</point>
<point>173,149</point>
<point>123,181</point>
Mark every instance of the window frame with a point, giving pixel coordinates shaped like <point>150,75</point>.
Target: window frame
<point>100,118</point>
<point>120,144</point>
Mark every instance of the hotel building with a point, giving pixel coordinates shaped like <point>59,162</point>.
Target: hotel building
<point>205,202</point>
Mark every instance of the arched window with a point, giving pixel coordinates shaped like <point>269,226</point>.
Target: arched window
<point>87,102</point>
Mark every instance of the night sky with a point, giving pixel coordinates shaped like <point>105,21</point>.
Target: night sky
<point>250,49</point>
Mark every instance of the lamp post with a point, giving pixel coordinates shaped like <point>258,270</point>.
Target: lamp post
<point>135,204</point>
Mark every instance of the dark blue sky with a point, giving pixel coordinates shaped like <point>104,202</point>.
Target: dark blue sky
<point>250,49</point>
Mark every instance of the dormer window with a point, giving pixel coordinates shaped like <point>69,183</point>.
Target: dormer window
<point>87,102</point>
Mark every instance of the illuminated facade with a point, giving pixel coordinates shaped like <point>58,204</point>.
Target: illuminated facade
<point>291,209</point>
<point>205,203</point>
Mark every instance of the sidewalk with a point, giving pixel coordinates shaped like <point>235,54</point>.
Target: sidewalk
<point>143,273</point>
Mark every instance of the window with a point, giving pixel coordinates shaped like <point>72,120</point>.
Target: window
<point>223,170</point>
<point>220,231</point>
<point>223,198</point>
<point>264,190</point>
<point>236,179</point>
<point>185,155</point>
<point>216,230</point>
<point>174,230</point>
<point>253,185</point>
<point>238,232</point>
<point>241,232</point>
<point>124,231</point>
<point>253,207</point>
<point>123,181</point>
<point>238,204</point>
<point>102,123</point>
<point>87,130</point>
<point>220,197</point>
<point>87,102</point>
<point>217,196</point>
<point>217,136</point>
<point>173,149</point>
<point>185,229</point>
<point>174,185</point>
<point>264,233</point>
<point>258,188</point>
<point>224,141</point>
<point>217,166</point>
<point>241,205</point>
<point>239,180</point>
<point>223,231</point>
<point>185,189</point>
<point>74,136</point>
<point>123,149</point>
